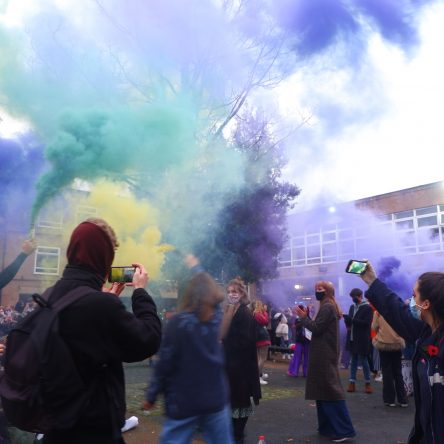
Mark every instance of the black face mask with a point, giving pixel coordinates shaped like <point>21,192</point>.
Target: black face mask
<point>355,300</point>
<point>320,295</point>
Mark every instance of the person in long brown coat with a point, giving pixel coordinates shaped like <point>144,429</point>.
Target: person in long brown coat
<point>323,382</point>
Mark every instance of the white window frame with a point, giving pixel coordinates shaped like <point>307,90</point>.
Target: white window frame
<point>52,251</point>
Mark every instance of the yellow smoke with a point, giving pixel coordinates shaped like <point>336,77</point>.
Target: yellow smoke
<point>135,223</point>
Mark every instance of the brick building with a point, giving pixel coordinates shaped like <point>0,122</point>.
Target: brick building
<point>406,226</point>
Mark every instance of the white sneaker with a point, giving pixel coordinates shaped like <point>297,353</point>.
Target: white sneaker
<point>262,381</point>
<point>264,376</point>
<point>378,378</point>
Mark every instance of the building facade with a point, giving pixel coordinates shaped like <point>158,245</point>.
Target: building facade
<point>403,230</point>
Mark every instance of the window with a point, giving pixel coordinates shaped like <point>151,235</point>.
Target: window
<point>314,252</point>
<point>329,252</point>
<point>427,221</point>
<point>330,236</point>
<point>47,260</point>
<point>313,238</point>
<point>404,224</point>
<point>298,241</point>
<point>285,257</point>
<point>426,210</point>
<point>299,256</point>
<point>85,212</point>
<point>50,218</point>
<point>345,234</point>
<point>403,214</point>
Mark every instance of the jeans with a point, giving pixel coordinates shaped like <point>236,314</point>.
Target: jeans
<point>359,360</point>
<point>216,428</point>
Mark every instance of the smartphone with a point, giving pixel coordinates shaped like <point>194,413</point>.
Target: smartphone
<point>121,274</point>
<point>356,267</point>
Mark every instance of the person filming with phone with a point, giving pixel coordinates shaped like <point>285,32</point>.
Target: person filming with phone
<point>422,322</point>
<point>99,334</point>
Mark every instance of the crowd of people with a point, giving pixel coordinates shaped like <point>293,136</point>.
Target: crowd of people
<point>212,351</point>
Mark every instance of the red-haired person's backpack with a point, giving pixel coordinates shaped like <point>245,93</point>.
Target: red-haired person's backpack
<point>40,387</point>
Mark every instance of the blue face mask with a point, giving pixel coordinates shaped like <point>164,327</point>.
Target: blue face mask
<point>415,309</point>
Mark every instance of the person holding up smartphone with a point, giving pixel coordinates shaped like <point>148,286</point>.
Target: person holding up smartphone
<point>421,322</point>
<point>101,334</point>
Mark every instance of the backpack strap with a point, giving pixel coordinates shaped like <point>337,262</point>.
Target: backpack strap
<point>70,297</point>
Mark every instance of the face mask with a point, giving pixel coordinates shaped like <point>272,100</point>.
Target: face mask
<point>233,298</point>
<point>355,300</point>
<point>320,295</point>
<point>415,309</point>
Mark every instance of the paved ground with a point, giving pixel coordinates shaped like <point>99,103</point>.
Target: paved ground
<point>284,416</point>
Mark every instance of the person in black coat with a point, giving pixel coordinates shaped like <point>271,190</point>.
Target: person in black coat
<point>101,333</point>
<point>239,339</point>
<point>358,323</point>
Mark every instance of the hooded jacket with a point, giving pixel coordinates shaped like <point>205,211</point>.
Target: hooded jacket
<point>101,334</point>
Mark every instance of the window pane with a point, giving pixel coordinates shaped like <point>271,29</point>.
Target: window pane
<point>299,253</point>
<point>345,234</point>
<point>427,221</point>
<point>404,224</point>
<point>329,250</point>
<point>298,241</point>
<point>403,214</point>
<point>285,255</point>
<point>428,236</point>
<point>313,251</point>
<point>426,210</point>
<point>346,247</point>
<point>313,238</point>
<point>328,236</point>
<point>384,217</point>
<point>47,260</point>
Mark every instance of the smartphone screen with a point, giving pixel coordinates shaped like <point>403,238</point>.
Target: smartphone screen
<point>356,267</point>
<point>121,274</point>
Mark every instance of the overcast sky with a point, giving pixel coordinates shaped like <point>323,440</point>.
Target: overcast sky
<point>372,128</point>
<point>392,138</point>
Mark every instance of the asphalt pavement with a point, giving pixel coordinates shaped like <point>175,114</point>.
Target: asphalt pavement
<point>284,416</point>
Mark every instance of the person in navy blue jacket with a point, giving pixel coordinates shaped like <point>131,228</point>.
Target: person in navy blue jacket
<point>421,322</point>
<point>190,372</point>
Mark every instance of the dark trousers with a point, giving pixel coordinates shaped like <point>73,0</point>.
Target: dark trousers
<point>334,420</point>
<point>392,381</point>
<point>238,429</point>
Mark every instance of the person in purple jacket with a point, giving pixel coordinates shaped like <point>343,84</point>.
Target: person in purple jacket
<point>421,322</point>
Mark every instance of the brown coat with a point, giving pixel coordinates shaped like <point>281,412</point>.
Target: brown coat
<point>323,381</point>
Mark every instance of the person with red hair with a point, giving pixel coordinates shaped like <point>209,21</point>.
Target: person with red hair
<point>323,382</point>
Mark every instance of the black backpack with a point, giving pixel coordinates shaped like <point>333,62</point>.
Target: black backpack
<point>40,387</point>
